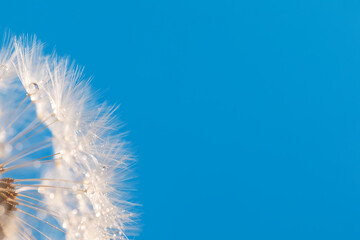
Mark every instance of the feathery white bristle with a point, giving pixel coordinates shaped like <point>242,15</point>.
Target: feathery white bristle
<point>89,157</point>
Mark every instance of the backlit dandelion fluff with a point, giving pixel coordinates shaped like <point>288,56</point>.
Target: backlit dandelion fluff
<point>61,163</point>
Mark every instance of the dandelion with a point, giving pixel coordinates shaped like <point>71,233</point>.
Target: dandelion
<point>62,165</point>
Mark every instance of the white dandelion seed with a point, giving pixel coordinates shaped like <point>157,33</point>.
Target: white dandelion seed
<point>62,164</point>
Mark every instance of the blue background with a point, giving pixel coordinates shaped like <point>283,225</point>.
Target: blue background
<point>244,115</point>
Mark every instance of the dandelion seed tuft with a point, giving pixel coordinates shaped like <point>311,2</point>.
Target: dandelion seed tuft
<point>61,160</point>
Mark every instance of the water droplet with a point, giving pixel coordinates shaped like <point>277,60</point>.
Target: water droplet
<point>33,88</point>
<point>64,225</point>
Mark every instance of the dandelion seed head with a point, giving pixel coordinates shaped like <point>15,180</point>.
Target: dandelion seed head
<point>51,126</point>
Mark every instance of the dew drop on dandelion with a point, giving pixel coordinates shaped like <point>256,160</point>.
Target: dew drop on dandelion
<point>33,88</point>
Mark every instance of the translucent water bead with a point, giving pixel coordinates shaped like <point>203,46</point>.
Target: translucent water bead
<point>32,91</point>
<point>33,88</point>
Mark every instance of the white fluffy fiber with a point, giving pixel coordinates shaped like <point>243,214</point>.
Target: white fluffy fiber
<point>92,161</point>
